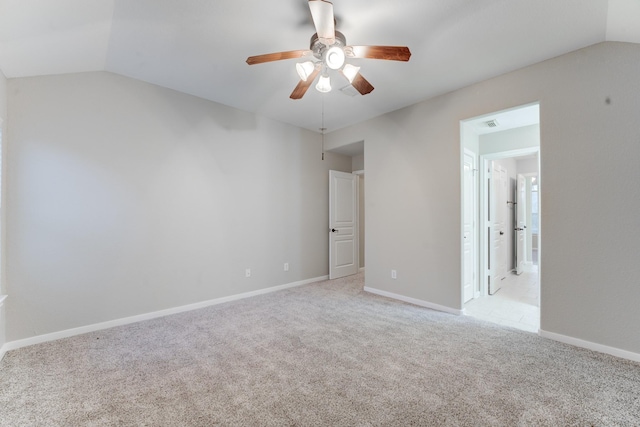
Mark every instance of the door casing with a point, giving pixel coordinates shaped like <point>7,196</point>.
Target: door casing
<point>470,276</point>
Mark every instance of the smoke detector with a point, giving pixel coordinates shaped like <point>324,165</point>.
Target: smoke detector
<point>492,123</point>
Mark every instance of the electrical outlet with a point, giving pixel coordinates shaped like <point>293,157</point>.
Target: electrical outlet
<point>394,274</point>
<point>286,266</point>
<point>247,272</point>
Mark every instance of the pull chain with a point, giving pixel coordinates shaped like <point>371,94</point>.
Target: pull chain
<point>322,129</point>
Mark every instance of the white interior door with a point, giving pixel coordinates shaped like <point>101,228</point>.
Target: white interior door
<point>468,231</point>
<point>498,203</point>
<point>343,224</point>
<point>521,223</point>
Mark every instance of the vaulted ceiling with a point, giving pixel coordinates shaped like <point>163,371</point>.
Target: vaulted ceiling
<point>200,46</point>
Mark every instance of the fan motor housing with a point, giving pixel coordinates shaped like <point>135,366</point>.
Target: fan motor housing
<point>318,48</point>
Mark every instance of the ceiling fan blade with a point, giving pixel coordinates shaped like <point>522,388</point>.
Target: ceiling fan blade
<point>361,84</point>
<point>323,19</point>
<point>303,85</point>
<point>390,53</point>
<point>269,57</point>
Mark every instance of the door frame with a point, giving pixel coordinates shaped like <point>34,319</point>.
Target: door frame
<point>485,177</point>
<point>528,177</point>
<point>360,174</point>
<point>476,275</point>
<point>520,210</point>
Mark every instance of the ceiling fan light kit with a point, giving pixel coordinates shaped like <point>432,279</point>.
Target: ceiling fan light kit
<point>334,57</point>
<point>350,72</point>
<point>329,51</point>
<point>324,84</point>
<point>305,69</point>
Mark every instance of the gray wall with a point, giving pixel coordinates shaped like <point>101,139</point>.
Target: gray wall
<point>361,225</point>
<point>3,121</point>
<point>3,97</point>
<point>589,145</point>
<point>357,163</point>
<point>126,198</point>
<point>528,166</point>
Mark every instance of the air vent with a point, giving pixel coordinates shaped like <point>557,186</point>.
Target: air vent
<point>492,123</point>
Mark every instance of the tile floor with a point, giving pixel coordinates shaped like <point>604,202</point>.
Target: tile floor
<point>516,304</point>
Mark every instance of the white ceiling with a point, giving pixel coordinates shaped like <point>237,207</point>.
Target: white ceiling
<point>509,119</point>
<point>200,46</point>
<point>353,149</point>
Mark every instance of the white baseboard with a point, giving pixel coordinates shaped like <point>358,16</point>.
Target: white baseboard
<point>13,345</point>
<point>414,301</point>
<point>613,351</point>
<point>361,269</point>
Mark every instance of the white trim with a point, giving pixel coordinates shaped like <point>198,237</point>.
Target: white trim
<point>476,221</point>
<point>13,345</point>
<point>2,298</point>
<point>512,153</point>
<point>613,351</point>
<point>361,269</point>
<point>414,301</point>
<point>358,172</point>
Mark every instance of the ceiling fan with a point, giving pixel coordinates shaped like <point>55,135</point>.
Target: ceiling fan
<point>328,51</point>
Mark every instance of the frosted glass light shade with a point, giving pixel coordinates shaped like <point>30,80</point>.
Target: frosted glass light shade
<point>324,84</point>
<point>350,72</point>
<point>335,58</point>
<point>305,69</point>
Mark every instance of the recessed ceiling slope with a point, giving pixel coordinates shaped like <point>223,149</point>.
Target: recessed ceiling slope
<point>39,37</point>
<point>199,47</point>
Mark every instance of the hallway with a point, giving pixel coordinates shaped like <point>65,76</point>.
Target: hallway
<point>516,304</point>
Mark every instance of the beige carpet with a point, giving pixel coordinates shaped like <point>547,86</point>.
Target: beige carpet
<point>325,354</point>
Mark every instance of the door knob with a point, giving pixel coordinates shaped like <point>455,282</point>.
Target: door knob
<point>501,233</point>
<point>333,230</point>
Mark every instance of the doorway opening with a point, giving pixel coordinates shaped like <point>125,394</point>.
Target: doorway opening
<point>500,222</point>
<point>355,151</point>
